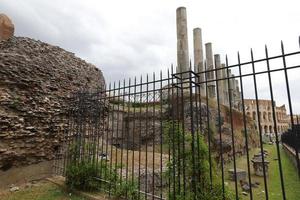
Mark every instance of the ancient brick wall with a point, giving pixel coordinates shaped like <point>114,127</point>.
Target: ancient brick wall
<point>36,80</point>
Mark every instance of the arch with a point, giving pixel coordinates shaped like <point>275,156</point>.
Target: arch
<point>260,116</point>
<point>269,116</point>
<point>265,129</point>
<point>248,114</point>
<point>264,116</point>
<point>254,115</point>
<point>270,129</point>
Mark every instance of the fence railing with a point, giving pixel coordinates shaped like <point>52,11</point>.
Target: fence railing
<point>164,137</point>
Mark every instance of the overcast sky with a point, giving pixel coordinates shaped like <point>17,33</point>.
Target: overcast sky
<point>133,37</point>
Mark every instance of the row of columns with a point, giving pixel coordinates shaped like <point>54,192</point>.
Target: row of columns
<point>227,89</point>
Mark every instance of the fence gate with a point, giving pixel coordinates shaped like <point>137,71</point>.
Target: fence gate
<point>215,134</point>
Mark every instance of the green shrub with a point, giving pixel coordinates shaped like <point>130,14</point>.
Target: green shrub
<point>82,175</point>
<point>83,169</point>
<point>192,157</point>
<point>130,189</point>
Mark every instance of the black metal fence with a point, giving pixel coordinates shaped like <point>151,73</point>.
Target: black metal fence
<point>161,137</point>
<point>289,137</point>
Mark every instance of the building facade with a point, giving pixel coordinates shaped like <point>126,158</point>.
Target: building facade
<point>266,115</point>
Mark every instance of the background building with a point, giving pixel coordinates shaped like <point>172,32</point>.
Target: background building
<point>266,117</point>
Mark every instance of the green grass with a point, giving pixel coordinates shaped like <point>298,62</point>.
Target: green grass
<point>291,180</point>
<point>45,191</point>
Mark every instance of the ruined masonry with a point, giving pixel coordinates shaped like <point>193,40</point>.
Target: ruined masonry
<point>198,59</point>
<point>229,92</point>
<point>36,80</point>
<point>182,40</point>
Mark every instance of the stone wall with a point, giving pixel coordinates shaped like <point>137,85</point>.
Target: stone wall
<point>129,130</point>
<point>36,80</point>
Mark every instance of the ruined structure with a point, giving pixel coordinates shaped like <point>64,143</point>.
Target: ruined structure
<point>36,80</point>
<point>7,28</point>
<point>228,90</point>
<point>210,76</point>
<point>182,40</point>
<point>266,115</point>
<point>199,60</point>
<point>224,86</point>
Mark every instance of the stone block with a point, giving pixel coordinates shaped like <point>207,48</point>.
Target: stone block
<point>239,174</point>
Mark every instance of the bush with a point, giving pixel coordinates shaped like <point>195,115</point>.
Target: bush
<point>130,189</point>
<point>82,175</point>
<point>83,169</point>
<point>195,163</point>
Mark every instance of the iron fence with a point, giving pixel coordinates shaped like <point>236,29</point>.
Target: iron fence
<point>164,138</point>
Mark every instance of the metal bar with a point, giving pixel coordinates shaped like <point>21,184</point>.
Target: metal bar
<point>245,127</point>
<point>181,167</point>
<point>122,131</point>
<point>275,124</point>
<point>133,132</point>
<point>161,136</point>
<point>140,136</point>
<point>112,134</point>
<point>127,135</point>
<point>193,142</point>
<point>101,112</point>
<point>106,102</point>
<point>169,100</point>
<point>220,136</point>
<point>146,151</point>
<point>173,137</point>
<point>197,89</point>
<point>153,139</point>
<point>259,125</point>
<point>208,127</point>
<point>290,102</point>
<point>232,132</point>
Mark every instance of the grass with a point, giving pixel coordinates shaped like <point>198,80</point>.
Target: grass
<point>44,191</point>
<point>291,180</point>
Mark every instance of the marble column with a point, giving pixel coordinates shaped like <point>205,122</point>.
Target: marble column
<point>198,59</point>
<point>232,89</point>
<point>225,85</point>
<point>238,96</point>
<point>182,40</point>
<point>219,75</point>
<point>211,93</point>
